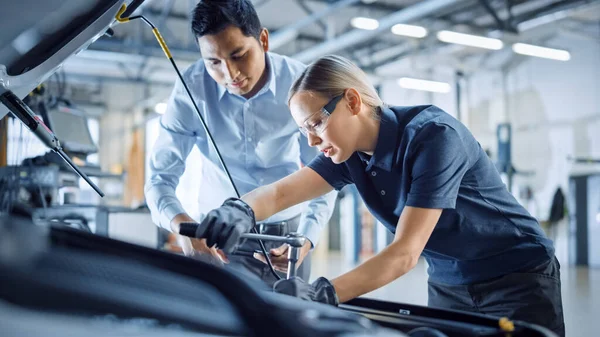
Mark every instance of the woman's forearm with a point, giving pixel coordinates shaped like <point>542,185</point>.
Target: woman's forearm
<point>375,273</point>
<point>412,233</point>
<point>263,201</point>
<point>302,185</point>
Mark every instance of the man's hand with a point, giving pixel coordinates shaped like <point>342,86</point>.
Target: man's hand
<point>279,256</point>
<point>191,246</point>
<point>200,246</point>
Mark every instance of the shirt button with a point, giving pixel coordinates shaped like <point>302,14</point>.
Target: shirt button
<point>249,139</point>
<point>373,173</point>
<point>382,192</point>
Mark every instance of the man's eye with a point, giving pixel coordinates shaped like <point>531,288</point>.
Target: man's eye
<point>214,62</point>
<point>238,57</point>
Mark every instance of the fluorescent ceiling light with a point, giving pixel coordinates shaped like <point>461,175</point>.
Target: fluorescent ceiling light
<point>160,108</point>
<point>364,23</point>
<point>537,51</point>
<point>416,84</point>
<point>409,30</point>
<point>469,40</point>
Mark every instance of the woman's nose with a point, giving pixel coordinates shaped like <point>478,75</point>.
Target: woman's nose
<point>313,140</point>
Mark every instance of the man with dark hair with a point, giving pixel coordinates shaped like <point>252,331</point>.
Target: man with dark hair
<point>212,18</point>
<point>241,90</point>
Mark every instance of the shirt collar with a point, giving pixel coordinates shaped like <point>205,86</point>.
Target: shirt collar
<point>383,156</point>
<point>221,91</point>
<point>272,71</point>
<point>271,81</point>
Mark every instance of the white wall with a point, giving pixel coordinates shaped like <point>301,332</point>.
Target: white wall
<point>554,109</point>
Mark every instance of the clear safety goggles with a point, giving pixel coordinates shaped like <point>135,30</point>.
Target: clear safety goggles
<point>317,126</point>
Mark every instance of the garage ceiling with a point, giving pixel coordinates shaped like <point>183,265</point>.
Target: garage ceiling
<point>306,29</point>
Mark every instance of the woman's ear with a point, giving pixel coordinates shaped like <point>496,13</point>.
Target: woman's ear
<point>354,101</point>
<point>264,39</point>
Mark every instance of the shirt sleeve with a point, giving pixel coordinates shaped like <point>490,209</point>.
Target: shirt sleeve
<point>336,175</point>
<point>319,210</point>
<point>175,140</point>
<point>439,163</point>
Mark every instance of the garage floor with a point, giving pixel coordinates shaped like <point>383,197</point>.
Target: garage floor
<point>580,287</point>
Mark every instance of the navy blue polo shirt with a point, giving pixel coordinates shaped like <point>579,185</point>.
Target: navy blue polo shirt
<point>426,158</point>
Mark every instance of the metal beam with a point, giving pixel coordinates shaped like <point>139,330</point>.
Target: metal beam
<point>509,5</point>
<point>311,38</point>
<point>80,78</point>
<point>464,15</point>
<point>375,6</point>
<point>502,25</point>
<point>393,55</point>
<point>487,21</point>
<point>289,33</point>
<point>551,12</point>
<point>158,13</point>
<point>164,15</point>
<point>150,48</point>
<point>309,11</point>
<point>533,35</point>
<point>415,12</point>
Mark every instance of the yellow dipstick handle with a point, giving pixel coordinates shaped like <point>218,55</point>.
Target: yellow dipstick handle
<point>506,325</point>
<point>162,43</point>
<point>120,12</point>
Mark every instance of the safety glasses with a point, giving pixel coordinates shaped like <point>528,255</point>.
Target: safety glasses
<point>317,127</point>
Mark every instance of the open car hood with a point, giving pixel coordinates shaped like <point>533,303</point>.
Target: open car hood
<point>36,37</point>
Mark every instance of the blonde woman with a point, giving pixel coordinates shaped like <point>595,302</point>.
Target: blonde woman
<point>424,176</point>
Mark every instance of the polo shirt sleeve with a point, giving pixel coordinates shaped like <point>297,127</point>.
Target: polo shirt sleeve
<point>336,175</point>
<point>439,163</point>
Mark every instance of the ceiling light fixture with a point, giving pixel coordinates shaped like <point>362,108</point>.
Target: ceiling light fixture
<point>417,84</point>
<point>364,23</point>
<point>544,52</point>
<point>469,40</point>
<point>409,30</point>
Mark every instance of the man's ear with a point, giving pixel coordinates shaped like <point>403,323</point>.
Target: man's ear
<point>264,39</point>
<point>354,100</point>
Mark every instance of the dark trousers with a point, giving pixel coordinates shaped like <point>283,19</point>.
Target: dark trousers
<point>532,296</point>
<point>260,269</point>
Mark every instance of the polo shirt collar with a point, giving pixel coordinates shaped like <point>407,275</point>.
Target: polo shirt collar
<point>383,156</point>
